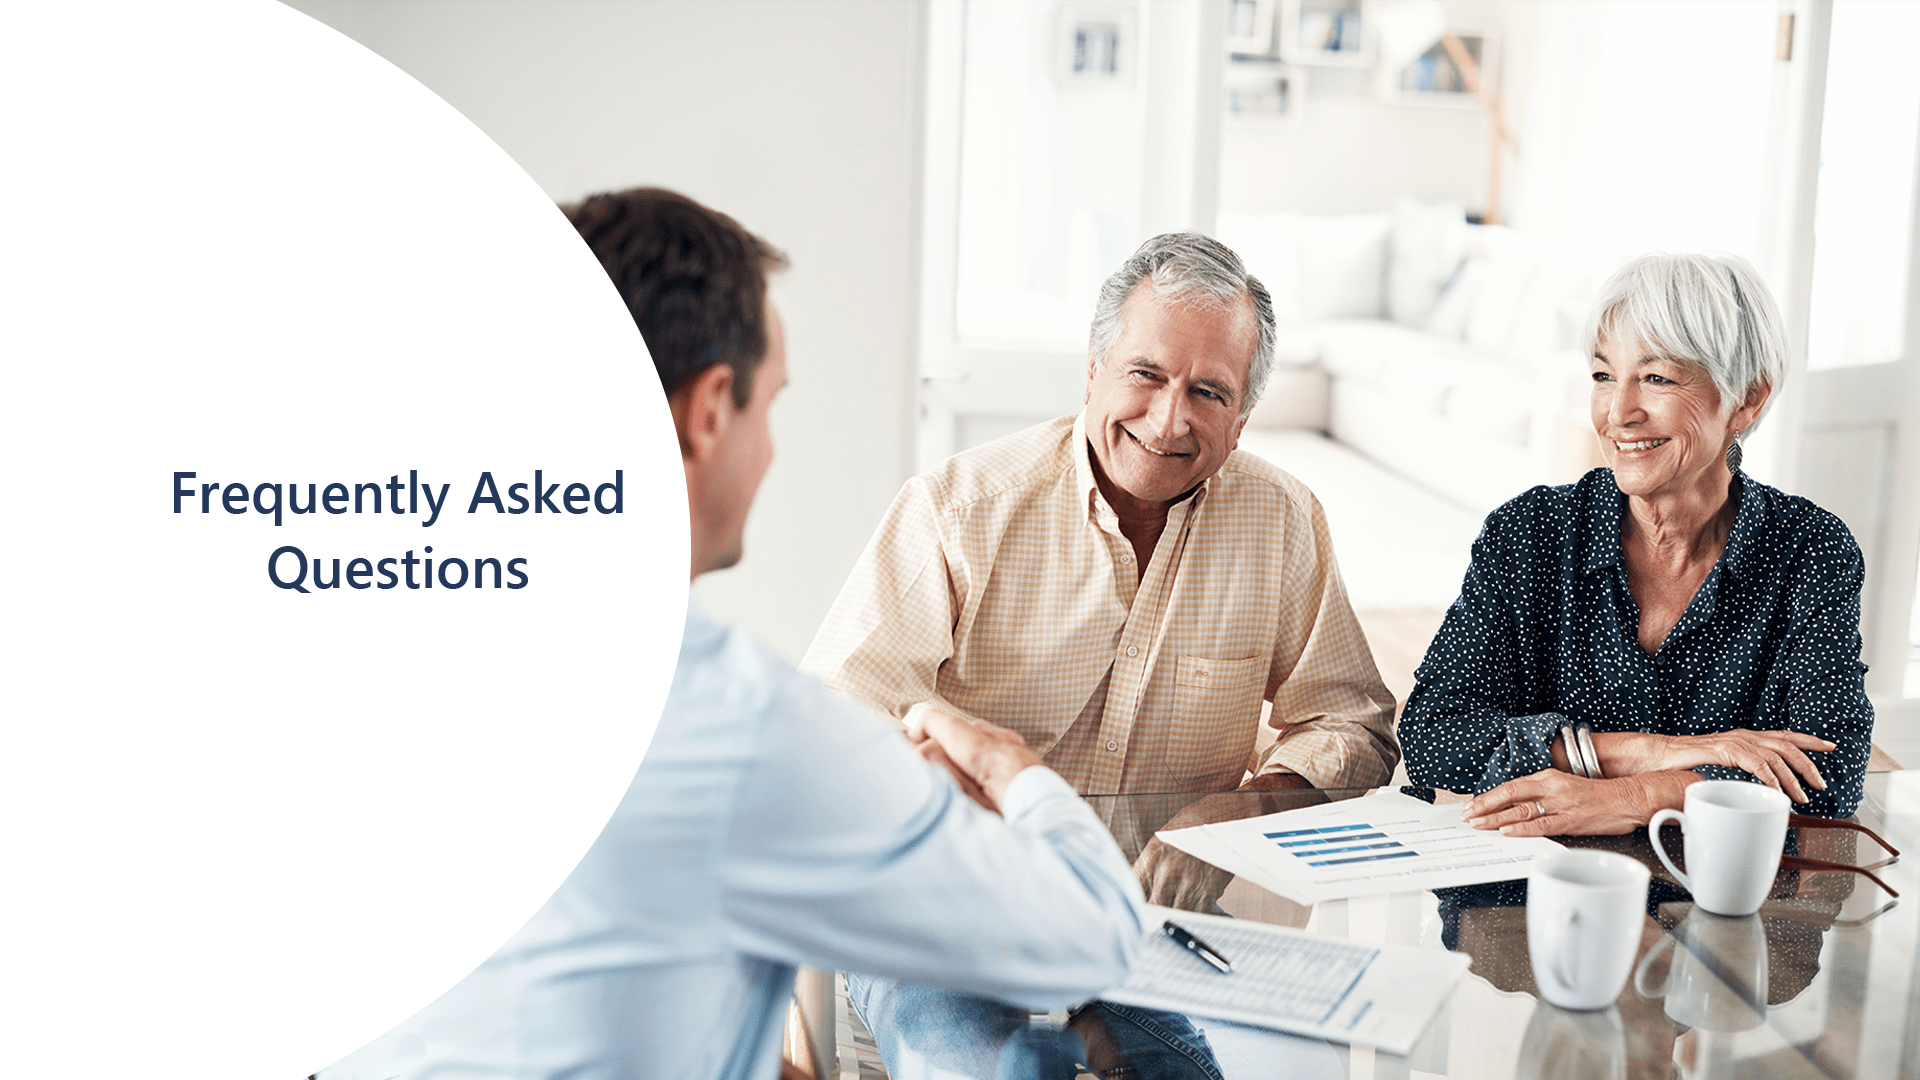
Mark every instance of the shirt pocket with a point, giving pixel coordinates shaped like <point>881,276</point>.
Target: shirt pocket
<point>1216,714</point>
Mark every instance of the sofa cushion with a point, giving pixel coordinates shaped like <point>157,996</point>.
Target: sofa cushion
<point>1494,400</point>
<point>1511,261</point>
<point>1296,344</point>
<point>1266,244</point>
<point>1294,397</point>
<point>1426,248</point>
<point>1363,348</point>
<point>1421,381</point>
<point>1448,319</point>
<point>1343,265</point>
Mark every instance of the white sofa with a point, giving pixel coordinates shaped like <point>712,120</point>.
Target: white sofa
<point>1443,350</point>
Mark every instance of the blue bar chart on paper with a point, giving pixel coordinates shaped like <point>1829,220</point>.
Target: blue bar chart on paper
<point>1337,845</point>
<point>1379,843</point>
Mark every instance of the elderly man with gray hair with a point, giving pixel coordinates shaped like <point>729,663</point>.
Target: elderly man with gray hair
<point>1664,620</point>
<point>1125,589</point>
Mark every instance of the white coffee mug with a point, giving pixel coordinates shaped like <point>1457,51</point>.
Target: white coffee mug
<point>1734,832</point>
<point>1585,912</point>
<point>1718,978</point>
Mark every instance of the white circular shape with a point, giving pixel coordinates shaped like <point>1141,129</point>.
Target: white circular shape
<point>1133,650</point>
<point>249,828</point>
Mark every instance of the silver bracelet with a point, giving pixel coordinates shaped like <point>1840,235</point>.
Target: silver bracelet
<point>1583,733</point>
<point>1576,756</point>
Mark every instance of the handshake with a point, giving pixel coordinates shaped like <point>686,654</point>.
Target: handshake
<point>982,758</point>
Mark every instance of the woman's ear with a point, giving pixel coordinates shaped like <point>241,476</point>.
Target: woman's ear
<point>702,412</point>
<point>1749,410</point>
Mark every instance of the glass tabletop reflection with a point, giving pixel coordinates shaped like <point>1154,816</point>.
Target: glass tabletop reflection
<point>1820,983</point>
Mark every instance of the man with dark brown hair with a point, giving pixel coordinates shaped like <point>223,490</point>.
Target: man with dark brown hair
<point>771,824</point>
<point>693,279</point>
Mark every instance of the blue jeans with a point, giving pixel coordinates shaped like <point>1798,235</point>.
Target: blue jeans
<point>924,1033</point>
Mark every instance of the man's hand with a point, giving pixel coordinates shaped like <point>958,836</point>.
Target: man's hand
<point>982,758</point>
<point>1173,878</point>
<point>1553,803</point>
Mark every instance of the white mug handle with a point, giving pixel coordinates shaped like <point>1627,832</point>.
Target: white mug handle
<point>1563,948</point>
<point>1646,964</point>
<point>1653,834</point>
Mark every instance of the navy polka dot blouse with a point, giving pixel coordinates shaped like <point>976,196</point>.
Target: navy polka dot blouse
<point>1545,628</point>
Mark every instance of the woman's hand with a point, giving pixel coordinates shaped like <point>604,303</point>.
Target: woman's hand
<point>1772,757</point>
<point>1554,803</point>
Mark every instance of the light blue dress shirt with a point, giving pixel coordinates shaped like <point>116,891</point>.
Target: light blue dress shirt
<point>773,824</point>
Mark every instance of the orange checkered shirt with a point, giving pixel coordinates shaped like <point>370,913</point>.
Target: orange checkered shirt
<point>999,586</point>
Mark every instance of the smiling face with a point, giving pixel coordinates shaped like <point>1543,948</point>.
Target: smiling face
<point>1164,410</point>
<point>1662,425</point>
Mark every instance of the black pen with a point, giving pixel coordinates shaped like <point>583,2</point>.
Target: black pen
<point>1197,947</point>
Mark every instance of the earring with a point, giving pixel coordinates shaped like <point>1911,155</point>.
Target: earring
<point>1733,454</point>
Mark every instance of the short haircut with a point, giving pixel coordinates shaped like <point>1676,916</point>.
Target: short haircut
<point>1711,311</point>
<point>1189,269</point>
<point>694,279</point>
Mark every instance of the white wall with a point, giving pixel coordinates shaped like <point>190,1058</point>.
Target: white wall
<point>800,120</point>
<point>1352,152</point>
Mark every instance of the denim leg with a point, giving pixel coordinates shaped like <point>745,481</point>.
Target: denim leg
<point>926,1033</point>
<point>1146,1044</point>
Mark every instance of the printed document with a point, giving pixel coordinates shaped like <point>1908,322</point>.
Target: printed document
<point>1303,983</point>
<point>1380,843</point>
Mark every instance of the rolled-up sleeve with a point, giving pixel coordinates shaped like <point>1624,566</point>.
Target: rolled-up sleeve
<point>891,627</point>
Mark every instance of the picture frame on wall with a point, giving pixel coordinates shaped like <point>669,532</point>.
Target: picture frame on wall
<point>1096,43</point>
<point>1264,92</point>
<point>1324,33</point>
<point>1250,27</point>
<point>1433,79</point>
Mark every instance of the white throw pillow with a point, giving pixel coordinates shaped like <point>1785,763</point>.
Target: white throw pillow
<point>1448,319</point>
<point>1343,265</point>
<point>1265,243</point>
<point>1512,262</point>
<point>1427,247</point>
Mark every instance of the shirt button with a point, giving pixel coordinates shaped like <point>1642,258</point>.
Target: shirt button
<point>1112,746</point>
<point>1132,650</point>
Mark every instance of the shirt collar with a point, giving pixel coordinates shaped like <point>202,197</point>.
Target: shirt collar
<point>1089,488</point>
<point>1605,505</point>
<point>1083,467</point>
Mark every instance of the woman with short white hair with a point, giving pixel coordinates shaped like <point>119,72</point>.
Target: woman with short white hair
<point>1662,621</point>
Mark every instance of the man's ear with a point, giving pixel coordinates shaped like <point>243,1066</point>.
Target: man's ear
<point>703,412</point>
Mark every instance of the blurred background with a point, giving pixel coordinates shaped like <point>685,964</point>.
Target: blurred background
<point>1431,189</point>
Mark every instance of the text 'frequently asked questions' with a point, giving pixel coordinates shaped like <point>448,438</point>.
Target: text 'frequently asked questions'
<point>290,568</point>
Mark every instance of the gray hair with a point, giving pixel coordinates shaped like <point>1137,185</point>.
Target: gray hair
<point>1189,269</point>
<point>1712,311</point>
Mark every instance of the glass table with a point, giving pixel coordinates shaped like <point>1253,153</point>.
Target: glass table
<point>1821,983</point>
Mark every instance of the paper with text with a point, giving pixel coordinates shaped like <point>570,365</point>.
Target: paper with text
<point>1295,981</point>
<point>1381,843</point>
